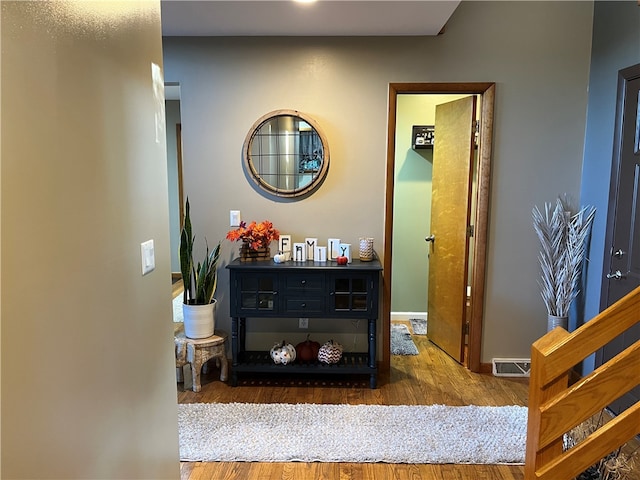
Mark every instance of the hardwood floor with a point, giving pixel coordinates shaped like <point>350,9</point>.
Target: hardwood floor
<point>429,378</point>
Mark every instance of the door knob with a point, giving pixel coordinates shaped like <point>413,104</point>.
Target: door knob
<point>619,253</point>
<point>430,238</point>
<point>617,275</point>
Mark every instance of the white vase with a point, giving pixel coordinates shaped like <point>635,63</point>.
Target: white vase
<point>554,321</point>
<point>199,320</point>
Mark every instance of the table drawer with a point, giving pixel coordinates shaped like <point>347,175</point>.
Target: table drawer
<point>304,306</point>
<point>304,283</point>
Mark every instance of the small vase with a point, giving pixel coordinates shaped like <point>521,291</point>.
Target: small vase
<point>554,321</point>
<point>366,249</point>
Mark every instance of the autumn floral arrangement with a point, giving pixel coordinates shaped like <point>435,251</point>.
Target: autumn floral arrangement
<point>254,235</point>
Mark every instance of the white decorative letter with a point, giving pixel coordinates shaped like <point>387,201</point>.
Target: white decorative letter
<point>320,254</point>
<point>299,252</point>
<point>311,245</point>
<point>345,251</point>
<point>284,244</point>
<point>333,250</point>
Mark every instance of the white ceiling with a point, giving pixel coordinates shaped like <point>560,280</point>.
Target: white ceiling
<point>322,18</point>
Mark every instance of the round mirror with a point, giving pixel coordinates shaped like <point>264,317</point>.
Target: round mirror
<point>286,153</point>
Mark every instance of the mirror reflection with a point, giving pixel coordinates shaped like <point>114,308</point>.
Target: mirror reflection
<point>286,153</point>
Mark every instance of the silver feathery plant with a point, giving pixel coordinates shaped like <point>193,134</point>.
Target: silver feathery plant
<point>563,242</point>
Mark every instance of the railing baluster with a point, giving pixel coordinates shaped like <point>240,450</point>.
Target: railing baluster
<point>552,357</point>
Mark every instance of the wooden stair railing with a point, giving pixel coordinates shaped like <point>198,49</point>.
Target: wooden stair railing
<point>555,407</point>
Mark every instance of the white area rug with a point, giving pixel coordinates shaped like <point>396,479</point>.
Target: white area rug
<point>247,432</point>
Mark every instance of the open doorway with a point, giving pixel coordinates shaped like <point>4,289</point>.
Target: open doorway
<point>413,229</point>
<point>471,325</point>
<point>174,173</point>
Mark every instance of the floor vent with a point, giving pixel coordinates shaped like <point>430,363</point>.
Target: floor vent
<point>511,367</point>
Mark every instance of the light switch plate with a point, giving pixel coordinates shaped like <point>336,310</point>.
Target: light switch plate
<point>148,257</point>
<point>234,218</point>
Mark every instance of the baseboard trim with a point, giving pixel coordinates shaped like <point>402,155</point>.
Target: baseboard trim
<point>399,316</point>
<point>486,368</point>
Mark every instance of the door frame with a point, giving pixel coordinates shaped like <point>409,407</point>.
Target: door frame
<point>486,90</point>
<point>180,175</point>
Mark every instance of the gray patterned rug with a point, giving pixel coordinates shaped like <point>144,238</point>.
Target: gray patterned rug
<point>244,432</point>
<point>419,326</point>
<point>401,343</point>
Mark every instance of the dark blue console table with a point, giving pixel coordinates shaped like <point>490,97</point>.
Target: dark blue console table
<point>264,289</point>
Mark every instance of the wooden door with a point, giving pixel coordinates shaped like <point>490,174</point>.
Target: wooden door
<point>622,256</point>
<point>450,219</point>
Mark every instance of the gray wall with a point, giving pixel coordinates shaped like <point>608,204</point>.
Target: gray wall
<point>88,369</point>
<point>541,73</point>
<point>616,45</point>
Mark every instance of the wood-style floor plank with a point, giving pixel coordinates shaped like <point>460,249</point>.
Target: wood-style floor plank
<point>431,377</point>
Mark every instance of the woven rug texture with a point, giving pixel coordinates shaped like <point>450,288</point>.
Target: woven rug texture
<point>244,432</point>
<point>419,326</point>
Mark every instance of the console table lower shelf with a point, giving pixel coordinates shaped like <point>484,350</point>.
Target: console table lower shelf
<point>261,362</point>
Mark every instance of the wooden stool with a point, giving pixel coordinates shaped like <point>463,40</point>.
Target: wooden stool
<point>197,351</point>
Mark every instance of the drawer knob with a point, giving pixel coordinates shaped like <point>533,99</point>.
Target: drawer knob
<point>304,305</point>
<point>303,282</point>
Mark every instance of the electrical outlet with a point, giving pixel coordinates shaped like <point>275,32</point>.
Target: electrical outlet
<point>234,218</point>
<point>303,323</point>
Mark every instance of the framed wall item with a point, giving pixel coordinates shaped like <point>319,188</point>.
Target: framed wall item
<point>423,136</point>
<point>286,154</point>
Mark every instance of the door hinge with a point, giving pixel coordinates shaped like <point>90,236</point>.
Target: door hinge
<point>470,230</point>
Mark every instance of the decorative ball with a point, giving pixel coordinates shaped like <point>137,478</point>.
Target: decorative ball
<point>283,353</point>
<point>330,352</point>
<point>279,258</point>
<point>307,351</point>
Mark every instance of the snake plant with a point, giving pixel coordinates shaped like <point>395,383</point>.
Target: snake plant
<point>199,279</point>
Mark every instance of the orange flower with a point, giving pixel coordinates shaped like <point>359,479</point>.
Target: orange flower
<point>256,235</point>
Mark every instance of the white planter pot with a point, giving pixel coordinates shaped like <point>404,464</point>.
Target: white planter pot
<point>199,320</point>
